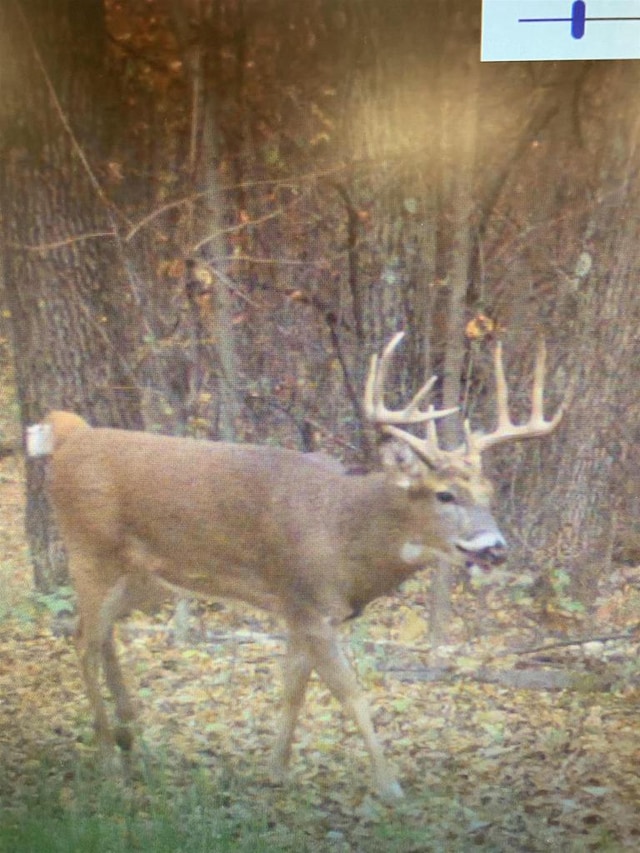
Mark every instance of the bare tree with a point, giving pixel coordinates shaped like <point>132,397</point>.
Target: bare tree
<point>601,309</point>
<point>71,310</point>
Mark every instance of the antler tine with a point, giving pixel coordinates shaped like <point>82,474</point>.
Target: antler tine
<point>502,389</point>
<point>374,386</point>
<point>432,433</point>
<point>426,448</point>
<point>537,393</point>
<point>374,406</point>
<point>536,426</point>
<point>376,380</point>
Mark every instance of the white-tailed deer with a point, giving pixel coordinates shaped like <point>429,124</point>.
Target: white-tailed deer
<point>274,528</point>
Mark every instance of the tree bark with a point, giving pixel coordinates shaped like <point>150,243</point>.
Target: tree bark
<point>204,229</point>
<point>71,310</point>
<point>459,75</point>
<point>575,537</point>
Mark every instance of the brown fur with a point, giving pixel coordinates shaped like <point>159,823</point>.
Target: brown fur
<point>63,424</point>
<point>266,525</point>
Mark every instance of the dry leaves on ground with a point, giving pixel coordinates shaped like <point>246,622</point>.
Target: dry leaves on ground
<point>484,766</point>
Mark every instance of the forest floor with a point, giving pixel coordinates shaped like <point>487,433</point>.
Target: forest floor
<point>501,745</point>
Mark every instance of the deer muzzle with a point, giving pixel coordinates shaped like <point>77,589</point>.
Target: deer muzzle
<point>485,544</point>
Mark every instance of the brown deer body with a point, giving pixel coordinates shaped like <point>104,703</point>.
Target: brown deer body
<point>265,525</point>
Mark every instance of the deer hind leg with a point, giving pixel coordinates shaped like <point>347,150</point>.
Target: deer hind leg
<point>115,605</point>
<point>296,671</point>
<point>89,654</point>
<point>333,668</point>
<point>99,608</point>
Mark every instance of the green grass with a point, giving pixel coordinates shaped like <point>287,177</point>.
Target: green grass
<point>104,813</point>
<point>80,808</point>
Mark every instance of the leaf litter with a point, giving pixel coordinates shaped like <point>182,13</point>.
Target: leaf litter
<point>485,766</point>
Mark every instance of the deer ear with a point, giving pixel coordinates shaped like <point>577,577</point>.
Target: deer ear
<point>403,463</point>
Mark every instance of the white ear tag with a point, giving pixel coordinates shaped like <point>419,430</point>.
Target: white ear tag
<point>39,440</point>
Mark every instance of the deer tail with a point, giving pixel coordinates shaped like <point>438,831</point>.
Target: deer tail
<point>63,425</point>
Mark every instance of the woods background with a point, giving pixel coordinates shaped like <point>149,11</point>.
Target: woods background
<point>212,213</point>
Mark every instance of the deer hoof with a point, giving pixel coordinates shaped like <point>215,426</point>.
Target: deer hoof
<point>390,791</point>
<point>124,738</point>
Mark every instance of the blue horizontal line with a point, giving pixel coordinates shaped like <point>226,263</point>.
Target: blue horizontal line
<point>568,20</point>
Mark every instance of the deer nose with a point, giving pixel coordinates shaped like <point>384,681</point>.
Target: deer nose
<point>485,541</point>
<point>485,549</point>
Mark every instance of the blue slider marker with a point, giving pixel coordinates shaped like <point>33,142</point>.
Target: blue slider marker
<point>578,19</point>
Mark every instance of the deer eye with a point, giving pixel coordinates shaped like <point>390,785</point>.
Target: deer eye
<point>445,496</point>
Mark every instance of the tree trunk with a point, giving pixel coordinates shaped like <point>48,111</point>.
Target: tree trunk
<point>71,310</point>
<point>458,79</point>
<point>576,535</point>
<point>212,329</point>
<point>459,76</point>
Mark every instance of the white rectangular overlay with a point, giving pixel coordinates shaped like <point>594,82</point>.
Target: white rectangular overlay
<point>514,30</point>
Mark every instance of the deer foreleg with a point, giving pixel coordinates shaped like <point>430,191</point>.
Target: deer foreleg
<point>332,666</point>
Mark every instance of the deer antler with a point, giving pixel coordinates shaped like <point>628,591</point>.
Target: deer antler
<point>389,419</point>
<point>469,453</point>
<point>506,430</point>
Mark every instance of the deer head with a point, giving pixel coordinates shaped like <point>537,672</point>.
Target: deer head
<point>463,494</point>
